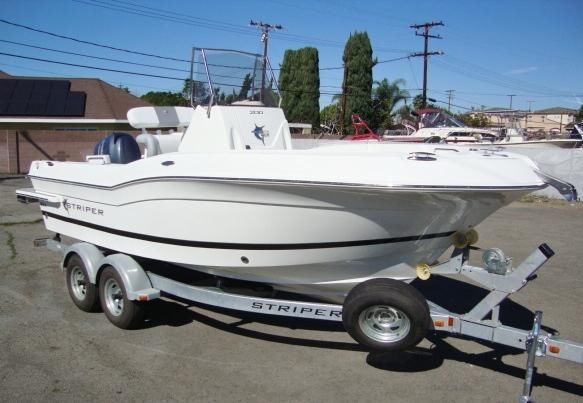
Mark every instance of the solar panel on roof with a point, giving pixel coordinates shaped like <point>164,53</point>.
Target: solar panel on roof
<point>75,105</point>
<point>37,103</point>
<point>3,105</point>
<point>21,97</point>
<point>57,99</point>
<point>23,89</point>
<point>6,89</point>
<point>16,107</point>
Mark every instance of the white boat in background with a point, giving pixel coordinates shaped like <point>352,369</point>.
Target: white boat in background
<point>514,137</point>
<point>229,195</point>
<point>437,126</point>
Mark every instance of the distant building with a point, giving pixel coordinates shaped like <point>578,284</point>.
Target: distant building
<point>550,120</point>
<point>57,118</point>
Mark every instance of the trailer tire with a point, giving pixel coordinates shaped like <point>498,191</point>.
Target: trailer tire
<point>122,312</point>
<point>83,293</point>
<point>386,315</point>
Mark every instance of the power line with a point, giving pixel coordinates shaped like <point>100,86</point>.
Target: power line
<point>457,106</point>
<point>91,43</point>
<point>155,75</point>
<point>90,67</point>
<point>395,59</point>
<point>181,18</point>
<point>519,95</point>
<point>482,74</point>
<point>160,15</point>
<point>70,76</point>
<point>110,47</point>
<point>92,57</point>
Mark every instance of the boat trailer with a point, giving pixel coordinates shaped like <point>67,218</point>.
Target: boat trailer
<point>480,322</point>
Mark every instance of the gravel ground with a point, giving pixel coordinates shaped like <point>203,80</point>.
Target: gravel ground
<point>54,352</point>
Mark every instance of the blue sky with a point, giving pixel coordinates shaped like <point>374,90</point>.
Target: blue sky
<point>529,48</point>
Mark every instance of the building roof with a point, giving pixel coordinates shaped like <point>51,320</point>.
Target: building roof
<point>557,110</point>
<point>497,110</point>
<point>103,100</point>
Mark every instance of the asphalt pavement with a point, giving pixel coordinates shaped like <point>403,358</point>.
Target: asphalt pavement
<point>52,351</point>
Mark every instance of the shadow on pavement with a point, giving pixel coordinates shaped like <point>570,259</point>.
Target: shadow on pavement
<point>454,295</point>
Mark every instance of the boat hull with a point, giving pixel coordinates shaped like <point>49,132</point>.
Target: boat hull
<point>314,240</point>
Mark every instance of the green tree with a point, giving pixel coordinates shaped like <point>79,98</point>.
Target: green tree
<point>329,114</point>
<point>386,96</point>
<point>165,98</point>
<point>245,87</point>
<point>418,103</point>
<point>473,119</point>
<point>403,113</point>
<point>299,79</point>
<point>358,64</point>
<point>579,115</point>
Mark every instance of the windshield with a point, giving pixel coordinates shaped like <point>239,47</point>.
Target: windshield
<point>439,119</point>
<point>228,77</point>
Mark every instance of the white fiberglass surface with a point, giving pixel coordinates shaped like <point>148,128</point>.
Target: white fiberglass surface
<point>355,165</point>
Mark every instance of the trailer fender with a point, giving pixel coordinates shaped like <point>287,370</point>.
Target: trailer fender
<point>135,280</point>
<point>89,254</point>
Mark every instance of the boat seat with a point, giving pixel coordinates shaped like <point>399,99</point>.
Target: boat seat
<point>151,144</point>
<point>122,148</point>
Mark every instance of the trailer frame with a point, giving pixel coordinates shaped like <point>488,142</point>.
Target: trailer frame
<point>480,322</point>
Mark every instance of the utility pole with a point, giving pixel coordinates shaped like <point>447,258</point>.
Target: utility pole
<point>343,102</point>
<point>265,28</point>
<point>511,96</point>
<point>426,27</point>
<point>526,114</point>
<point>449,98</point>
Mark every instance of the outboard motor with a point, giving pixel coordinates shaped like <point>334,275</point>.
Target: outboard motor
<point>122,148</point>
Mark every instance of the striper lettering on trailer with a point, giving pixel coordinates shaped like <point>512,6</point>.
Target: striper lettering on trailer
<point>297,309</point>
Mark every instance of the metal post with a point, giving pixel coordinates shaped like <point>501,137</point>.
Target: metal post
<point>426,35</point>
<point>265,28</point>
<point>511,96</point>
<point>208,76</point>
<point>426,53</point>
<point>264,39</point>
<point>17,138</point>
<point>449,98</point>
<point>192,78</point>
<point>531,348</point>
<point>343,104</point>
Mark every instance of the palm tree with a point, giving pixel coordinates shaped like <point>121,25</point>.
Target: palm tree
<point>386,96</point>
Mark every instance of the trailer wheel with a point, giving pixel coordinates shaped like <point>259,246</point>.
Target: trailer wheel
<point>386,315</point>
<point>122,312</point>
<point>82,292</point>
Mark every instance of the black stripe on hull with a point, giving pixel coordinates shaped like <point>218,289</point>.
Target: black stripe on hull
<point>246,246</point>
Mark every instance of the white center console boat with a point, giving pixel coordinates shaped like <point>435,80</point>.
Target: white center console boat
<point>230,196</point>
